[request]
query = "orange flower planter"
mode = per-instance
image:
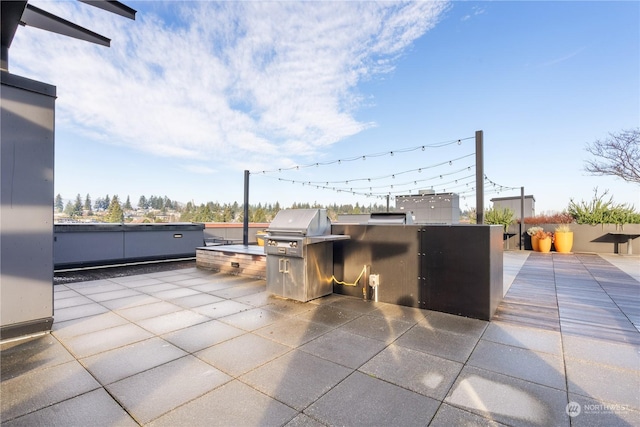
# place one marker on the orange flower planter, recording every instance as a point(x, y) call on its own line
point(563, 241)
point(544, 245)
point(534, 243)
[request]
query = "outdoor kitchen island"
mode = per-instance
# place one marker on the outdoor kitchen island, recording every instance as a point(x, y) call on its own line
point(456, 269)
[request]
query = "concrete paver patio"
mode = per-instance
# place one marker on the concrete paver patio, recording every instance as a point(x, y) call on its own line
point(190, 347)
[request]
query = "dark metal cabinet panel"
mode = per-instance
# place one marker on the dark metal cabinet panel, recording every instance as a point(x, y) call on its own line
point(461, 270)
point(455, 269)
point(391, 251)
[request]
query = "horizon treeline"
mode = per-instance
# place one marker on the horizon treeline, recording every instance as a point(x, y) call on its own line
point(111, 209)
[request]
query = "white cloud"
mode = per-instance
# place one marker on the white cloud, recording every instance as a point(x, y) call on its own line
point(235, 80)
point(563, 58)
point(199, 169)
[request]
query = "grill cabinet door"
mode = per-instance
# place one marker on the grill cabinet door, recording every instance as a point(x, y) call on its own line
point(285, 277)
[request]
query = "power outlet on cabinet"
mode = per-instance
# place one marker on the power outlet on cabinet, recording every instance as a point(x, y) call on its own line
point(374, 280)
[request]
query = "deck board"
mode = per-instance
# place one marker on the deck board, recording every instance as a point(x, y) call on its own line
point(579, 294)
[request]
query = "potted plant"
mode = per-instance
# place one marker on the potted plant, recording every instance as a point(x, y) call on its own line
point(563, 239)
point(503, 217)
point(532, 232)
point(545, 239)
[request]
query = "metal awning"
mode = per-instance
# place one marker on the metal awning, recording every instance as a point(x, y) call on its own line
point(14, 13)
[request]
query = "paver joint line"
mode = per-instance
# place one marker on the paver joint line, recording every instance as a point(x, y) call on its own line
point(558, 308)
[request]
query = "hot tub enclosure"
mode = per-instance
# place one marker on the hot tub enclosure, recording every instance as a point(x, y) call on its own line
point(97, 244)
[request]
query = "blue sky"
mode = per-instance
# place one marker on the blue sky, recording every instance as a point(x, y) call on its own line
point(191, 94)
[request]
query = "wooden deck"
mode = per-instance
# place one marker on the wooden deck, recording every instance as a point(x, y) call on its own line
point(578, 294)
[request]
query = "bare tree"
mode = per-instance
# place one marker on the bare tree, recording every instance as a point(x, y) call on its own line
point(617, 155)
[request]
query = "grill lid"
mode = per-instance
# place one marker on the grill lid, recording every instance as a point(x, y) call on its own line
point(300, 222)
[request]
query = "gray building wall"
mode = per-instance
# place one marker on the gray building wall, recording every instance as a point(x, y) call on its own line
point(26, 219)
point(513, 203)
point(442, 208)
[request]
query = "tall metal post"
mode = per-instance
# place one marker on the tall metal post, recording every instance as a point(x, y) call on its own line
point(521, 217)
point(479, 178)
point(245, 225)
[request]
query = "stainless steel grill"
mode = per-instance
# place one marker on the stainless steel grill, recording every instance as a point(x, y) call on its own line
point(299, 249)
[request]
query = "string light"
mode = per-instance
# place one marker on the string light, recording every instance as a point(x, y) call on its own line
point(390, 153)
point(450, 185)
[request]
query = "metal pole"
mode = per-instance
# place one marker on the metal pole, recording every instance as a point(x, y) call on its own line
point(245, 225)
point(479, 178)
point(521, 216)
point(387, 203)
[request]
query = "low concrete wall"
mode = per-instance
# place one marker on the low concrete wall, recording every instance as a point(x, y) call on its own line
point(602, 238)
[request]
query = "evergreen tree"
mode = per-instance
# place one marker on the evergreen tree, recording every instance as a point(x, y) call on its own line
point(59, 204)
point(259, 215)
point(114, 213)
point(168, 204)
point(127, 204)
point(227, 215)
point(77, 206)
point(97, 204)
point(68, 209)
point(87, 204)
point(106, 203)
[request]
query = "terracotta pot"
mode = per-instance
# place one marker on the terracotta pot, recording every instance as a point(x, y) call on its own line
point(534, 243)
point(563, 241)
point(544, 245)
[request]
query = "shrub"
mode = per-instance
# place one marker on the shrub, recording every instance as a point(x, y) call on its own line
point(560, 218)
point(497, 216)
point(601, 211)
